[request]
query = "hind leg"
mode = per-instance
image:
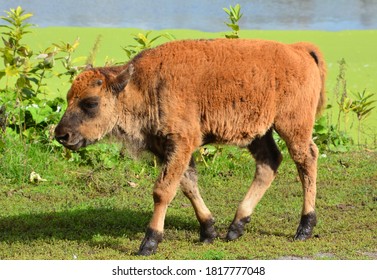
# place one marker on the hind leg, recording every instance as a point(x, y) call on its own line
point(189, 186)
point(268, 159)
point(298, 137)
point(305, 156)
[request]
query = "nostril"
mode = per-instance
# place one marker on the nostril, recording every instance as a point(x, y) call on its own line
point(62, 138)
point(62, 134)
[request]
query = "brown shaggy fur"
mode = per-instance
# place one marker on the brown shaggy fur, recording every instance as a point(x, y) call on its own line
point(183, 94)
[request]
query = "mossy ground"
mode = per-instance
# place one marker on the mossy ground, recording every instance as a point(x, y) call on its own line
point(92, 212)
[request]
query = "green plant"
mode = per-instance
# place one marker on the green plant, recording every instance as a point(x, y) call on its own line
point(71, 65)
point(14, 53)
point(28, 112)
point(208, 153)
point(234, 14)
point(329, 138)
point(143, 41)
point(341, 95)
point(90, 60)
point(362, 106)
point(101, 155)
point(3, 122)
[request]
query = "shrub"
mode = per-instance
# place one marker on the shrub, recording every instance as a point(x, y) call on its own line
point(26, 110)
point(234, 15)
point(362, 106)
point(143, 42)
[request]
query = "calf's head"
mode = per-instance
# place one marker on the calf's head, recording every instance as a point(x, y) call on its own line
point(92, 109)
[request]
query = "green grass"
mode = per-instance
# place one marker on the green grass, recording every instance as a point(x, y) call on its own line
point(93, 212)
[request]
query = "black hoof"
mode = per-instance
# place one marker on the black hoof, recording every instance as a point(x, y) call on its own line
point(305, 228)
point(207, 231)
point(150, 242)
point(236, 229)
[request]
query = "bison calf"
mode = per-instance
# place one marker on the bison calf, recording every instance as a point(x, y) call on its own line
point(174, 98)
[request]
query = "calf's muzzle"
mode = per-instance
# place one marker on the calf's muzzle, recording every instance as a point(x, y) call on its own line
point(68, 138)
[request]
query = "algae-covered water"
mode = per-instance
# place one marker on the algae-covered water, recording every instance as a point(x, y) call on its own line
point(205, 15)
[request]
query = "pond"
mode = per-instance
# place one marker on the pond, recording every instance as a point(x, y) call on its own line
point(331, 15)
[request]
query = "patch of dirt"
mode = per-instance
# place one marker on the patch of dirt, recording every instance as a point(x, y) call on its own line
point(325, 256)
point(294, 258)
point(317, 256)
point(345, 207)
point(372, 255)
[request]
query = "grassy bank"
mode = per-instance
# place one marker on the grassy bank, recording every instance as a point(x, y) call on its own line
point(93, 212)
point(356, 47)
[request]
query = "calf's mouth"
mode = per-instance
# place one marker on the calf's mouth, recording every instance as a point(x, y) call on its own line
point(72, 141)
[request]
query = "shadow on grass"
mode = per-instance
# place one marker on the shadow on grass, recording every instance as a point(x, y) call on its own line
point(82, 225)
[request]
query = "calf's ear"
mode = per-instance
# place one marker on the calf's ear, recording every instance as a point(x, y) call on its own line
point(120, 81)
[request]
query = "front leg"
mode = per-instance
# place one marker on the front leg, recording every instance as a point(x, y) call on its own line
point(164, 191)
point(150, 242)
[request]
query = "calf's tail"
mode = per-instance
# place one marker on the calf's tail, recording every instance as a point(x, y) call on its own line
point(318, 57)
point(316, 54)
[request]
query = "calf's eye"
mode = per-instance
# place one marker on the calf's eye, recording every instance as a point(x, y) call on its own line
point(90, 104)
